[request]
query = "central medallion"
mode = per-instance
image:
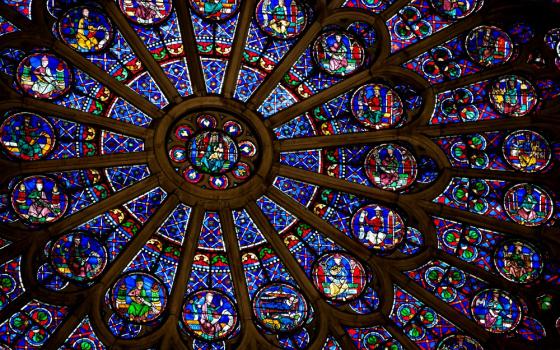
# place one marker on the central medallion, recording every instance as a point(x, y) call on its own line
point(213, 150)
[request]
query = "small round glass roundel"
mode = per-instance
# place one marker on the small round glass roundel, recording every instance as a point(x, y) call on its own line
point(209, 315)
point(338, 53)
point(496, 310)
point(138, 297)
point(459, 342)
point(378, 227)
point(513, 96)
point(377, 106)
point(391, 167)
point(518, 261)
point(528, 205)
point(489, 46)
point(85, 29)
point(217, 10)
point(146, 12)
point(27, 136)
point(78, 256)
point(213, 152)
point(281, 19)
point(43, 75)
point(527, 151)
point(39, 200)
point(280, 308)
point(340, 277)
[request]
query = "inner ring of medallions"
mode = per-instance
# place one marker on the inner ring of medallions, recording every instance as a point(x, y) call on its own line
point(233, 169)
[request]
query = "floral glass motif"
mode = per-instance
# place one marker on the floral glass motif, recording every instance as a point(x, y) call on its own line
point(338, 53)
point(489, 46)
point(146, 12)
point(139, 297)
point(377, 106)
point(27, 136)
point(209, 315)
point(39, 200)
point(86, 29)
point(496, 310)
point(528, 204)
point(518, 261)
point(44, 76)
point(527, 151)
point(391, 167)
point(339, 276)
point(281, 19)
point(280, 307)
point(218, 10)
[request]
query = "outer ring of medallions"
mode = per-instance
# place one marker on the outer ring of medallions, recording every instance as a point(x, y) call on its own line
point(191, 194)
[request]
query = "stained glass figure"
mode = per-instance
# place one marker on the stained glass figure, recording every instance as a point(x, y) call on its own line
point(339, 276)
point(338, 53)
point(496, 310)
point(86, 29)
point(459, 342)
point(27, 136)
point(39, 200)
point(528, 204)
point(377, 106)
point(391, 167)
point(146, 12)
point(518, 261)
point(218, 10)
point(78, 256)
point(209, 315)
point(281, 19)
point(43, 75)
point(279, 307)
point(213, 152)
point(488, 46)
point(455, 9)
point(378, 227)
point(513, 96)
point(138, 297)
point(527, 151)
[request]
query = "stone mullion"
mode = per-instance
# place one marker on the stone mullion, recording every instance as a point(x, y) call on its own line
point(485, 74)
point(250, 333)
point(316, 142)
point(190, 46)
point(14, 17)
point(152, 66)
point(238, 47)
point(549, 179)
point(453, 129)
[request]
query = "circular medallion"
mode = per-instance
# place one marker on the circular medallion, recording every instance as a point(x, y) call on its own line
point(513, 96)
point(216, 151)
point(527, 151)
point(281, 19)
point(377, 106)
point(338, 53)
point(147, 12)
point(43, 75)
point(217, 10)
point(378, 227)
point(339, 276)
point(213, 152)
point(85, 29)
point(27, 136)
point(488, 46)
point(455, 9)
point(280, 307)
point(518, 261)
point(78, 256)
point(209, 315)
point(528, 205)
point(391, 167)
point(496, 310)
point(138, 297)
point(39, 200)
point(459, 342)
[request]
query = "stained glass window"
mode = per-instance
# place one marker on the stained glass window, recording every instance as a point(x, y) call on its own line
point(258, 174)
